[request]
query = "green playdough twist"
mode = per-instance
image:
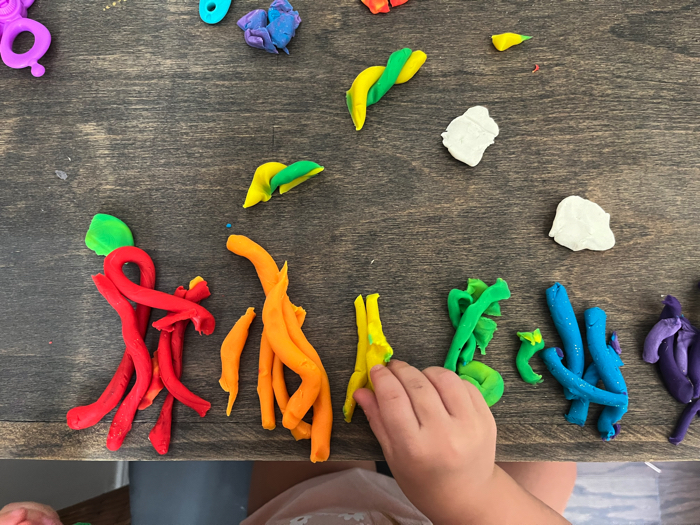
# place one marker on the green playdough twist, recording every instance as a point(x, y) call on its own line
point(297, 172)
point(532, 343)
point(486, 379)
point(494, 293)
point(391, 73)
point(107, 233)
point(459, 300)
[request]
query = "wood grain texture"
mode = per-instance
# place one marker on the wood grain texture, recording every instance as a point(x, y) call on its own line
point(161, 120)
point(111, 508)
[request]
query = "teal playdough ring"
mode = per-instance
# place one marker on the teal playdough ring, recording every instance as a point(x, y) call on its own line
point(213, 11)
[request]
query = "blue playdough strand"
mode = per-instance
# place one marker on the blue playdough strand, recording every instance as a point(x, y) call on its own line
point(213, 11)
point(565, 322)
point(577, 385)
point(578, 413)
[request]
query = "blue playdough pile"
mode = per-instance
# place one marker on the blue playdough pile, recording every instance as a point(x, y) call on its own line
point(272, 30)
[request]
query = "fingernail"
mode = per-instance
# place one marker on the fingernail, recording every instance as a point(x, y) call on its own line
point(375, 368)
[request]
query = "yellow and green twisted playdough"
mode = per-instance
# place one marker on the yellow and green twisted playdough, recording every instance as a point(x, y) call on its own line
point(273, 175)
point(374, 82)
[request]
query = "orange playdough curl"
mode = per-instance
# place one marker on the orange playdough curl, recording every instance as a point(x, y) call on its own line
point(322, 422)
point(276, 329)
point(303, 429)
point(231, 350)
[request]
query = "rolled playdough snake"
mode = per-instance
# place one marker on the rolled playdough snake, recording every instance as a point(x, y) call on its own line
point(374, 82)
point(273, 175)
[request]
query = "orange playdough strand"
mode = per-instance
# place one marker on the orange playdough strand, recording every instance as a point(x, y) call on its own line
point(268, 273)
point(323, 410)
point(289, 353)
point(231, 350)
point(155, 387)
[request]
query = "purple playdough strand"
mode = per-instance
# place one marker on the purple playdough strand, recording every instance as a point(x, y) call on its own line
point(684, 339)
point(684, 422)
point(676, 383)
point(663, 329)
point(694, 367)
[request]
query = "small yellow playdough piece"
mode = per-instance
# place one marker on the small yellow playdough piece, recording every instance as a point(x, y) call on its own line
point(379, 351)
point(359, 376)
point(259, 190)
point(506, 40)
point(194, 282)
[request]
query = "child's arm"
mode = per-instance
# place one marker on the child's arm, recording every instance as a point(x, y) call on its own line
point(439, 438)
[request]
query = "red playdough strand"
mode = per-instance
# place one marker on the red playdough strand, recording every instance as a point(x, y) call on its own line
point(156, 384)
point(121, 424)
point(160, 434)
point(180, 309)
point(86, 416)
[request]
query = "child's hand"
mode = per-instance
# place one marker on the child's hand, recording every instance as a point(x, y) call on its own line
point(437, 434)
point(28, 513)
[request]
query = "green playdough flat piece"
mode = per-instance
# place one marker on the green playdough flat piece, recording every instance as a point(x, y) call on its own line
point(391, 73)
point(293, 172)
point(486, 379)
point(106, 234)
point(483, 333)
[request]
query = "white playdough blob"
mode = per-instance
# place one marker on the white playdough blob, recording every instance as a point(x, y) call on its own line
point(468, 136)
point(582, 225)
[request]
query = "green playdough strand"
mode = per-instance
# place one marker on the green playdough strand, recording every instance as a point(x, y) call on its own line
point(496, 292)
point(486, 379)
point(107, 233)
point(457, 302)
point(391, 73)
point(292, 172)
point(528, 348)
point(467, 354)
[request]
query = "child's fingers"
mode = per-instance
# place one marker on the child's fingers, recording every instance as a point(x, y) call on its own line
point(452, 391)
point(368, 402)
point(13, 517)
point(395, 407)
point(425, 400)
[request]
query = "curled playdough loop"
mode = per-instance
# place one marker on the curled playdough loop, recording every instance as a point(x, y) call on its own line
point(665, 328)
point(486, 379)
point(273, 175)
point(531, 343)
point(374, 82)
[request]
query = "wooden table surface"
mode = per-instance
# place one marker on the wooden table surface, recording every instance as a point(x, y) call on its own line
point(161, 120)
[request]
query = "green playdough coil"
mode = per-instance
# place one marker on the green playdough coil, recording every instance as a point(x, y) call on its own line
point(294, 173)
point(106, 234)
point(486, 379)
point(391, 73)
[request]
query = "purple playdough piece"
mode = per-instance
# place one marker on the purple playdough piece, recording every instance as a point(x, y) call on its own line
point(259, 39)
point(663, 329)
point(253, 20)
point(615, 344)
point(676, 383)
point(283, 6)
point(684, 339)
point(694, 367)
point(684, 422)
point(282, 30)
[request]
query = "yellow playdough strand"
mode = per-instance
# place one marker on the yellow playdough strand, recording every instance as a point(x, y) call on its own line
point(259, 190)
point(365, 80)
point(359, 376)
point(379, 351)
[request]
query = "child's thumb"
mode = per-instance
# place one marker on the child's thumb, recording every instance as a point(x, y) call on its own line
point(368, 401)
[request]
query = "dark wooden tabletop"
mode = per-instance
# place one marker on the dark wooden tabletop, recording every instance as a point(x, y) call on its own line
point(161, 120)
